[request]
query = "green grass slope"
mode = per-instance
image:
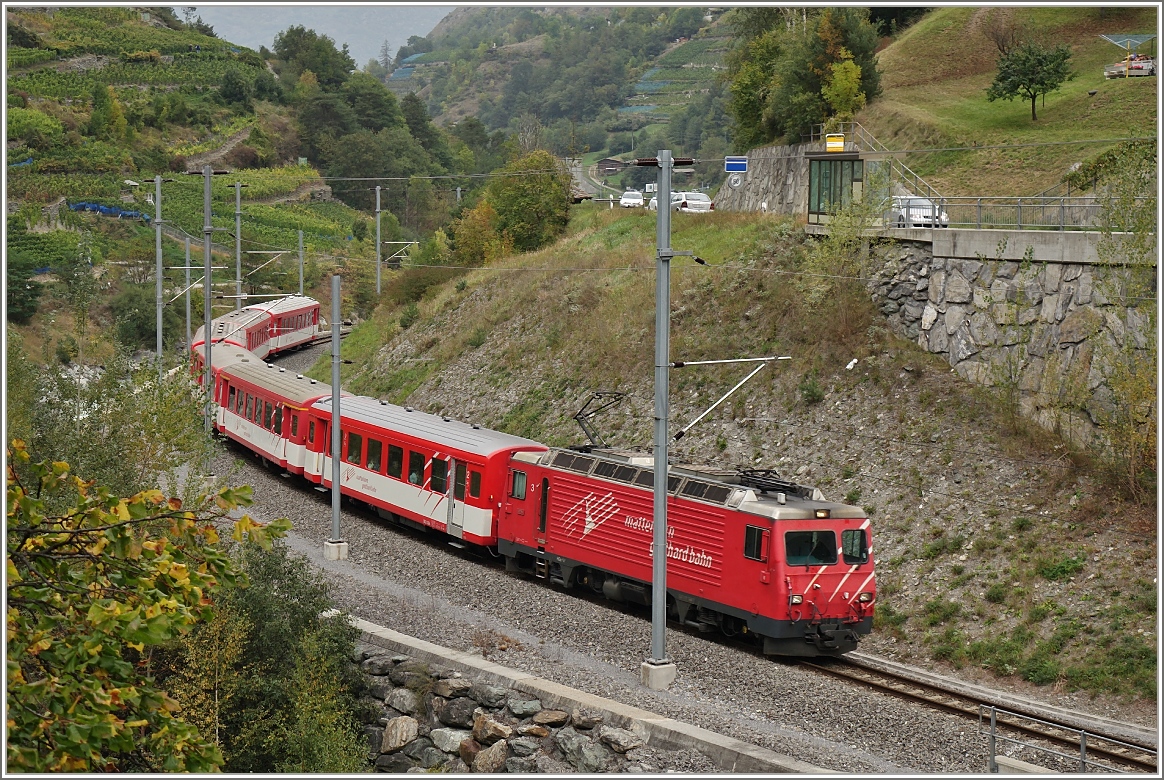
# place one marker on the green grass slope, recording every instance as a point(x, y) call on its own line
point(935, 76)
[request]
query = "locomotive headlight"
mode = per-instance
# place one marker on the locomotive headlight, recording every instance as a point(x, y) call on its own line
point(822, 513)
point(865, 597)
point(796, 599)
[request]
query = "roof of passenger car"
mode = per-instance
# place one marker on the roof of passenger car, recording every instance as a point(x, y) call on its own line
point(440, 431)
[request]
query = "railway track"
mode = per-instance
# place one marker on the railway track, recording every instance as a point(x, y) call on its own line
point(1121, 747)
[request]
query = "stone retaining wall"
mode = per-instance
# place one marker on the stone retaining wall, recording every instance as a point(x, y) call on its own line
point(435, 720)
point(1039, 331)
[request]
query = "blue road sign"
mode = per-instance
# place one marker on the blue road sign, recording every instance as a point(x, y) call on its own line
point(735, 164)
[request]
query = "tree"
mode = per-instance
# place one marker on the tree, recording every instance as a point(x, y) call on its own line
point(842, 89)
point(391, 152)
point(1030, 70)
point(422, 129)
point(300, 49)
point(90, 588)
point(374, 106)
point(385, 56)
point(778, 74)
point(475, 237)
point(236, 89)
point(532, 200)
point(21, 291)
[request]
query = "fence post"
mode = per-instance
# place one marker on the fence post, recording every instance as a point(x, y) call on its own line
point(1019, 214)
point(1062, 218)
point(993, 765)
point(1082, 751)
point(980, 213)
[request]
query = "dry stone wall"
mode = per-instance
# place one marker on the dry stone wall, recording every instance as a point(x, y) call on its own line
point(1038, 332)
point(776, 182)
point(436, 720)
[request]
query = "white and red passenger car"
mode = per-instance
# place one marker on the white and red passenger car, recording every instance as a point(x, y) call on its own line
point(748, 554)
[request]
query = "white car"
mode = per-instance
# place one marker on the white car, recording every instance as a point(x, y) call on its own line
point(631, 199)
point(916, 211)
point(691, 202)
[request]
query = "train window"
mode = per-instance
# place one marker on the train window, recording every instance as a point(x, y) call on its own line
point(459, 482)
point(268, 412)
point(517, 490)
point(355, 448)
point(395, 461)
point(854, 548)
point(440, 476)
point(311, 431)
point(230, 396)
point(238, 407)
point(475, 484)
point(416, 468)
point(375, 448)
point(755, 543)
point(258, 418)
point(278, 421)
point(294, 426)
point(646, 478)
point(810, 548)
point(604, 469)
point(250, 407)
point(545, 505)
point(563, 460)
point(693, 489)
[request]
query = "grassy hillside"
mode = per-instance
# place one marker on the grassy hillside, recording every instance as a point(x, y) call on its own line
point(935, 77)
point(995, 550)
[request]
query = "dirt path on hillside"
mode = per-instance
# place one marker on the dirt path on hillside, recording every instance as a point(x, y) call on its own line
point(196, 161)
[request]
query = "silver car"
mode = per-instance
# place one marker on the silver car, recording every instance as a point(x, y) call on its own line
point(916, 211)
point(631, 199)
point(691, 202)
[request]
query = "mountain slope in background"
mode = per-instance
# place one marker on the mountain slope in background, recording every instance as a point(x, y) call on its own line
point(363, 28)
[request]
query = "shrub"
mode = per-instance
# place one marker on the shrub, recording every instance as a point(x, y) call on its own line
point(410, 316)
point(1060, 570)
point(996, 593)
point(811, 392)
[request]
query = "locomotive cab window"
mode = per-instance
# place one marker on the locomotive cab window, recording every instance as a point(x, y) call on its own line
point(756, 543)
point(854, 547)
point(810, 548)
point(517, 489)
point(395, 461)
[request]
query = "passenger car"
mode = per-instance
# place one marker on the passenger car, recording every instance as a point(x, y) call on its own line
point(631, 199)
point(916, 211)
point(690, 202)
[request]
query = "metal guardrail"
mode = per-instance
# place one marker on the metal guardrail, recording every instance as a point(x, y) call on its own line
point(1033, 213)
point(1084, 762)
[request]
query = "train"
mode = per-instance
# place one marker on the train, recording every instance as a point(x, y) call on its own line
point(749, 554)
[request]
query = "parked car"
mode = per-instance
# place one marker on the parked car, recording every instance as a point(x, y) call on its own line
point(916, 211)
point(691, 202)
point(1139, 65)
point(631, 199)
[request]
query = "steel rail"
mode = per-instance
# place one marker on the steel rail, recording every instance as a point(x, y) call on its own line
point(966, 705)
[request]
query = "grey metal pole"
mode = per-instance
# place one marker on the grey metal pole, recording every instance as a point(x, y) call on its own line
point(662, 375)
point(207, 232)
point(335, 408)
point(158, 254)
point(238, 245)
point(188, 336)
point(377, 239)
point(300, 262)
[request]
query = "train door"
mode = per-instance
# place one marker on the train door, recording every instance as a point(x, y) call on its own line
point(455, 493)
point(281, 412)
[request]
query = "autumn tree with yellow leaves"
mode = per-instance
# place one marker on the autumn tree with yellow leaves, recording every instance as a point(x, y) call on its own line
point(92, 591)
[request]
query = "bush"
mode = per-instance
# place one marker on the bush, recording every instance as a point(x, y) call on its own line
point(996, 593)
point(1060, 570)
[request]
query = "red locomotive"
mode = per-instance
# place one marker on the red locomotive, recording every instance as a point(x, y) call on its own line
point(748, 553)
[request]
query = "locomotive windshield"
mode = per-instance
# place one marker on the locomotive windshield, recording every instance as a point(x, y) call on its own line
point(810, 548)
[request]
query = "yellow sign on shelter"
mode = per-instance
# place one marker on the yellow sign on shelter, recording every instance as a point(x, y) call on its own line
point(835, 142)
